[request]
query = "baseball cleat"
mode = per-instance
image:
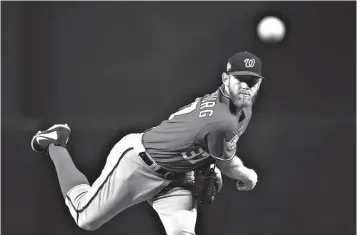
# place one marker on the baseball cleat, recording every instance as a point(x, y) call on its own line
point(57, 134)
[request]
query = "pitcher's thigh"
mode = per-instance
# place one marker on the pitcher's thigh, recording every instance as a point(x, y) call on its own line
point(177, 211)
point(122, 183)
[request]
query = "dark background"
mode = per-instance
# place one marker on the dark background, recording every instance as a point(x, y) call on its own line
point(111, 68)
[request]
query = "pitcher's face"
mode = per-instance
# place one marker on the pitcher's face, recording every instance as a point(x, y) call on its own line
point(243, 89)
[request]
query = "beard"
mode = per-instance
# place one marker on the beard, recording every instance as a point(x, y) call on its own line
point(242, 101)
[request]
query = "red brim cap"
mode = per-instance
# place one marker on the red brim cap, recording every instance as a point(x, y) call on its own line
point(249, 73)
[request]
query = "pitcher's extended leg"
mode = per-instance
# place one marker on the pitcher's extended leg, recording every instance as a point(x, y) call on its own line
point(125, 180)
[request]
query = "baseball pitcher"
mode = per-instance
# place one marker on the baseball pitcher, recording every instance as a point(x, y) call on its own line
point(174, 166)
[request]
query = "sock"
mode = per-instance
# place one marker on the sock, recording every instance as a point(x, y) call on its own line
point(68, 175)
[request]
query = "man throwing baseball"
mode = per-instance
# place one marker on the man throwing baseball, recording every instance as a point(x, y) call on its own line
point(173, 166)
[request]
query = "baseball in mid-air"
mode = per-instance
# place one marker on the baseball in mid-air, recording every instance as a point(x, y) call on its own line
point(271, 29)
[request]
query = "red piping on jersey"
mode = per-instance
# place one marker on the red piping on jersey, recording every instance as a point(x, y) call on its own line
point(101, 186)
point(194, 139)
point(223, 91)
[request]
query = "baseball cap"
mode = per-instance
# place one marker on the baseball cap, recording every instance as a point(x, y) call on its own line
point(245, 63)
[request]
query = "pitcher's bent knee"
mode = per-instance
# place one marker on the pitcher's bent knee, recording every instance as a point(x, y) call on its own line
point(87, 225)
point(76, 201)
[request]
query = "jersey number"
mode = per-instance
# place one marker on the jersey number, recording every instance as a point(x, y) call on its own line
point(194, 157)
point(185, 110)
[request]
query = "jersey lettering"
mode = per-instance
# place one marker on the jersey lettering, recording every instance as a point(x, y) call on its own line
point(207, 105)
point(211, 97)
point(185, 110)
point(194, 156)
point(208, 102)
point(205, 112)
point(209, 112)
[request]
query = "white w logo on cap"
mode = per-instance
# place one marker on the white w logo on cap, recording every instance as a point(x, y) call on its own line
point(249, 63)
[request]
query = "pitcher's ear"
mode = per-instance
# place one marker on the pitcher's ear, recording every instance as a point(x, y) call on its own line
point(225, 78)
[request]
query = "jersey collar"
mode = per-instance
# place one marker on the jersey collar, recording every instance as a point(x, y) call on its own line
point(224, 96)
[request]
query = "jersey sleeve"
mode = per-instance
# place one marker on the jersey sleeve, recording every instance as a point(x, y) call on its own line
point(220, 139)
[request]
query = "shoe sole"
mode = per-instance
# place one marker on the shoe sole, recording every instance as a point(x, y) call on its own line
point(52, 127)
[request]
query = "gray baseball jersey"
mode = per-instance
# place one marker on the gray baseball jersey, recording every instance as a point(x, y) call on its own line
point(207, 127)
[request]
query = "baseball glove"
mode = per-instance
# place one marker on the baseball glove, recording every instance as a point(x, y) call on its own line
point(205, 184)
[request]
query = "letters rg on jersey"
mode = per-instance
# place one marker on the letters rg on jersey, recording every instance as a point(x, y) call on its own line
point(207, 104)
point(206, 109)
